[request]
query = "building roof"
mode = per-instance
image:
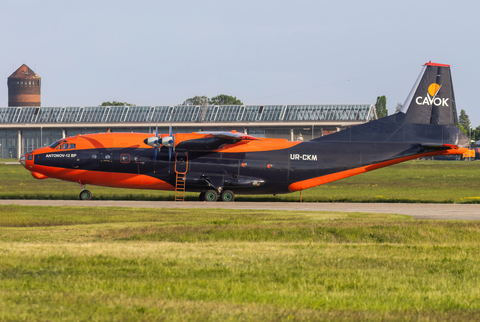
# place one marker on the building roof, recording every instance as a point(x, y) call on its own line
point(24, 72)
point(211, 114)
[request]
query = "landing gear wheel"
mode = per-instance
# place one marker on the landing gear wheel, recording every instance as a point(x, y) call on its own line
point(201, 197)
point(211, 195)
point(85, 195)
point(228, 196)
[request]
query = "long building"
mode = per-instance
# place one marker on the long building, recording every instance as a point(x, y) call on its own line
point(26, 128)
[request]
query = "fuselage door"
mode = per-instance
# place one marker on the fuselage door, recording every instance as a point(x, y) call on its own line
point(181, 163)
point(77, 159)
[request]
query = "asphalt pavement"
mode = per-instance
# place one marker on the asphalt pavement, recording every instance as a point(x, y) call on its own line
point(416, 210)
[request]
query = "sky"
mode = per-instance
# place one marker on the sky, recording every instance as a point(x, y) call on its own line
point(263, 52)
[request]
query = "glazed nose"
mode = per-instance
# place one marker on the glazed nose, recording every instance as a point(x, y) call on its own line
point(23, 159)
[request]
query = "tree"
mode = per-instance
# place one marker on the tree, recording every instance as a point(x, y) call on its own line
point(464, 131)
point(398, 108)
point(381, 106)
point(115, 103)
point(464, 120)
point(223, 99)
point(196, 100)
point(477, 134)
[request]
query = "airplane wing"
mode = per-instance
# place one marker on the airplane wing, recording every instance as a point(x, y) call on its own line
point(229, 135)
point(210, 141)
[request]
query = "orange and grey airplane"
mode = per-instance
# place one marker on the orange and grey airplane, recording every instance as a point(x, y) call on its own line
point(222, 164)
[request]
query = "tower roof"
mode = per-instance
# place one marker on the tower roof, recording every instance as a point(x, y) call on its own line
point(24, 72)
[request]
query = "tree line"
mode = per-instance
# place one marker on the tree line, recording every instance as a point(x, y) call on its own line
point(221, 99)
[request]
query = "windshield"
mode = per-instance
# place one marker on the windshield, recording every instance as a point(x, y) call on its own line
point(55, 144)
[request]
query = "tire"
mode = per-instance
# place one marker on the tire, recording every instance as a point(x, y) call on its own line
point(85, 195)
point(228, 196)
point(201, 197)
point(211, 196)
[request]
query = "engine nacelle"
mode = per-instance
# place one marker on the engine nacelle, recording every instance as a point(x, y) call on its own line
point(153, 141)
point(168, 141)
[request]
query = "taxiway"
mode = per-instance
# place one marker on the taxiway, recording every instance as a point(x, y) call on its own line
point(418, 211)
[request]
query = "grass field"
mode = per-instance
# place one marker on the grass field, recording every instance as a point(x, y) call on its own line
point(8, 160)
point(414, 181)
point(92, 264)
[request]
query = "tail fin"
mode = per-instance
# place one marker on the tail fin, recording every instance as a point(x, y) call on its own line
point(431, 100)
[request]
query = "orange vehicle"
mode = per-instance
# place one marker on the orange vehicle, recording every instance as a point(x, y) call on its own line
point(223, 164)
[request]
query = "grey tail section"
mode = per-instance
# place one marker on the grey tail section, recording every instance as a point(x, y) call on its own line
point(432, 100)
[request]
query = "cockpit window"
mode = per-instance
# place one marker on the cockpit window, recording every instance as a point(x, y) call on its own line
point(55, 144)
point(65, 146)
point(72, 145)
point(30, 157)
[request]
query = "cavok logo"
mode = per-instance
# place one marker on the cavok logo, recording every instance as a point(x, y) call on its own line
point(431, 98)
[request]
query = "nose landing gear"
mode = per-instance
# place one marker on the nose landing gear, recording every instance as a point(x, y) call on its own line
point(84, 194)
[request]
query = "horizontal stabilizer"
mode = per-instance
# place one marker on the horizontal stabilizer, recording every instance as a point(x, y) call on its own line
point(439, 146)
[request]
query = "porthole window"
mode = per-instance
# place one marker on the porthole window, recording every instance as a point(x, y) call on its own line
point(107, 157)
point(125, 158)
point(136, 159)
point(94, 156)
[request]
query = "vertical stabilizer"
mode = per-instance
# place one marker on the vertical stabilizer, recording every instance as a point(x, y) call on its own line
point(431, 100)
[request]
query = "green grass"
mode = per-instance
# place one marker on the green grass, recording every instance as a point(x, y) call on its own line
point(67, 263)
point(8, 160)
point(414, 181)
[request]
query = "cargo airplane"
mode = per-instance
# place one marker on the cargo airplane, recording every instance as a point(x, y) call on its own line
point(220, 165)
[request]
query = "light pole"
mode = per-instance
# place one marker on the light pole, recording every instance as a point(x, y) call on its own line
point(469, 142)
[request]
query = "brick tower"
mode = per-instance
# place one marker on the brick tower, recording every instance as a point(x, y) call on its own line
point(24, 87)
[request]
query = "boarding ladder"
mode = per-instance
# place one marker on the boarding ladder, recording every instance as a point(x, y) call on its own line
point(181, 167)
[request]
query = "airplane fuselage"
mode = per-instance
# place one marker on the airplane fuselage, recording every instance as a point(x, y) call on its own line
point(229, 163)
point(265, 166)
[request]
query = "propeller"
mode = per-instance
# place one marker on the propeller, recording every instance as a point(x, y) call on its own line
point(168, 141)
point(156, 141)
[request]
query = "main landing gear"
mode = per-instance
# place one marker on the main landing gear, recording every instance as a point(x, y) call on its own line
point(212, 195)
point(85, 194)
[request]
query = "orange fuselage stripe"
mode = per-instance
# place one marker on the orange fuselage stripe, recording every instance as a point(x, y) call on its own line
point(109, 179)
point(310, 183)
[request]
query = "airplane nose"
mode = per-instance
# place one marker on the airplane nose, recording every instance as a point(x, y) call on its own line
point(22, 160)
